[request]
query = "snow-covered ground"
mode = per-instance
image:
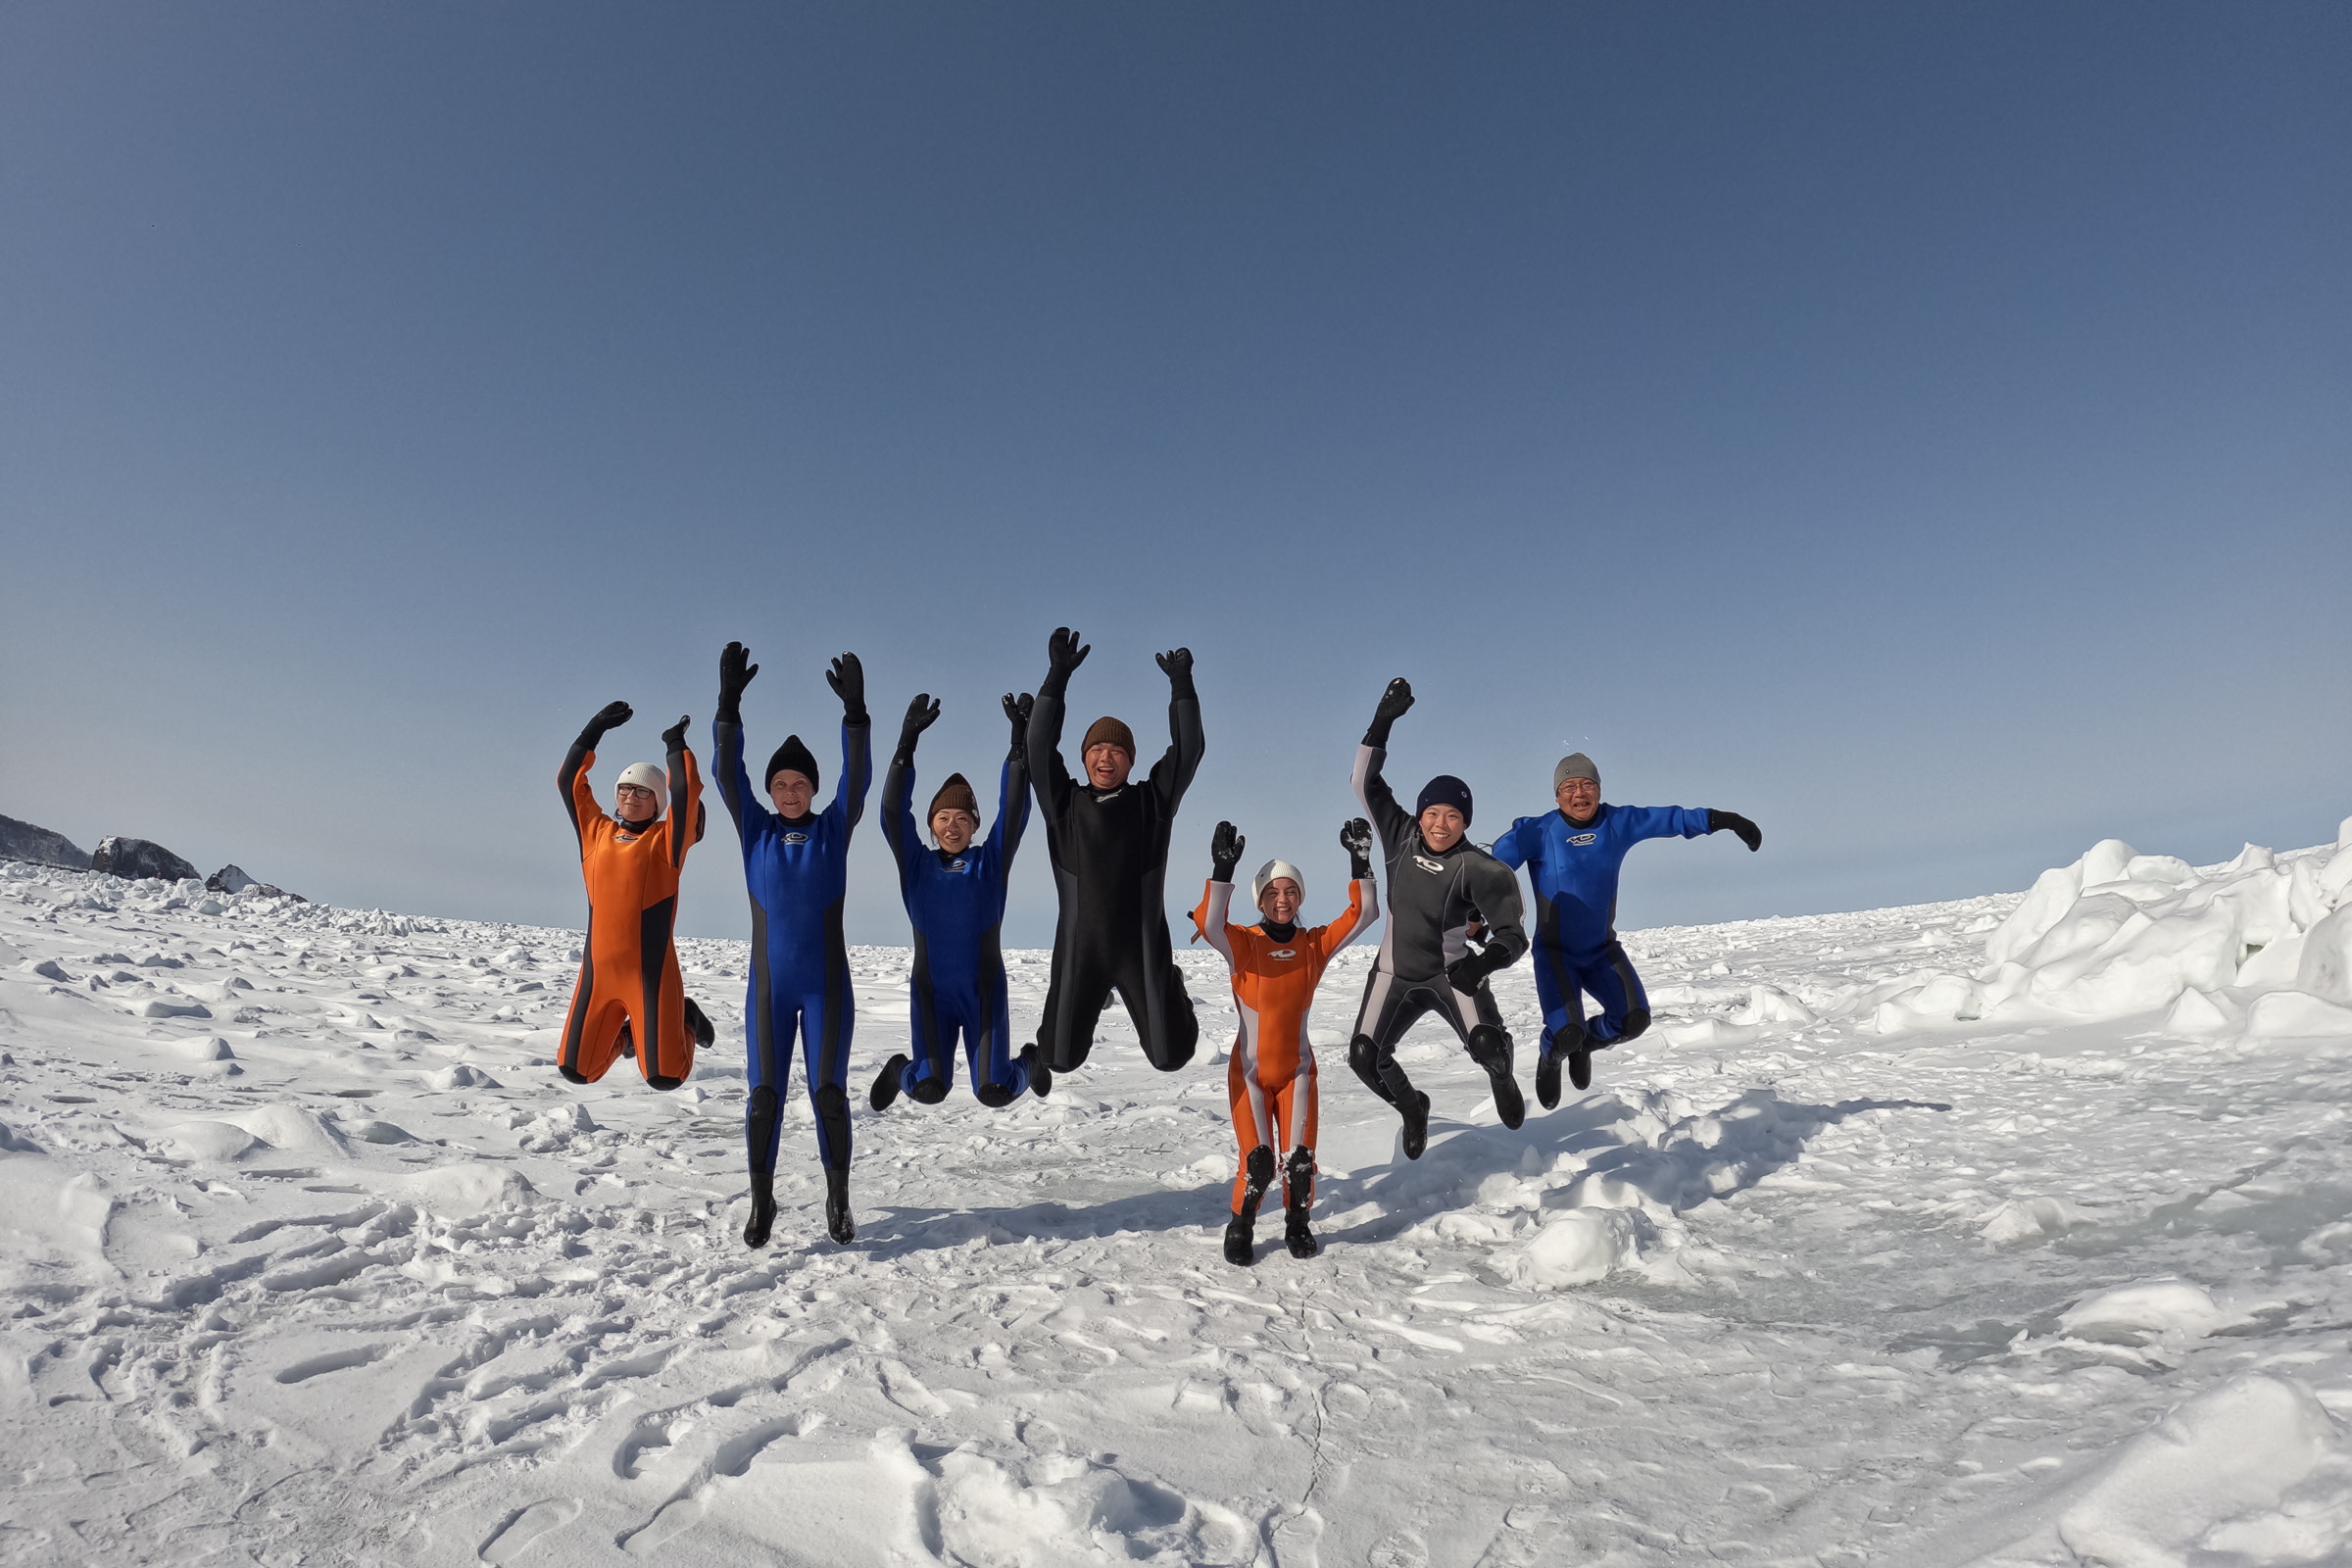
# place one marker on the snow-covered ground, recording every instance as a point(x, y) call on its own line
point(1882, 1247)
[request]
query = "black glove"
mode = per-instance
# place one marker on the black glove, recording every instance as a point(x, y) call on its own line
point(611, 717)
point(1225, 848)
point(1465, 973)
point(921, 715)
point(1063, 654)
point(1749, 834)
point(1177, 664)
point(735, 672)
point(1393, 704)
point(1018, 710)
point(1356, 839)
point(674, 738)
point(846, 677)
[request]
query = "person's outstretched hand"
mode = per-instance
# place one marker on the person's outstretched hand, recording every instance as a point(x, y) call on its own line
point(1225, 848)
point(675, 737)
point(1733, 822)
point(846, 677)
point(1355, 837)
point(921, 715)
point(1064, 653)
point(735, 672)
point(1017, 708)
point(1394, 705)
point(610, 716)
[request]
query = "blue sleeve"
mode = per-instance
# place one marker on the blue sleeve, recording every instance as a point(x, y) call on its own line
point(1662, 821)
point(897, 814)
point(1519, 843)
point(1012, 816)
point(857, 776)
point(734, 783)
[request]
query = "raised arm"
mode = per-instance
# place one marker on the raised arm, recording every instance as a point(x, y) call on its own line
point(1013, 786)
point(1391, 821)
point(685, 792)
point(1677, 821)
point(846, 677)
point(1363, 892)
point(1173, 773)
point(899, 827)
point(1048, 773)
point(735, 672)
point(572, 779)
point(1225, 848)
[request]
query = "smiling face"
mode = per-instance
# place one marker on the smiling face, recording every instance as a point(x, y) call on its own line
point(636, 804)
point(953, 827)
point(1107, 765)
point(1442, 827)
point(792, 791)
point(1280, 901)
point(1579, 798)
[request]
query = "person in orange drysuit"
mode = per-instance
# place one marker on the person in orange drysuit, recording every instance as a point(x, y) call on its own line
point(631, 997)
point(1271, 1072)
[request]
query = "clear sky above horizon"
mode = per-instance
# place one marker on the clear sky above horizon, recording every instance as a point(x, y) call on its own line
point(1927, 430)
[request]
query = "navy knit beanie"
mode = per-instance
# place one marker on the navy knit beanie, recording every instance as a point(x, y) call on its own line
point(793, 755)
point(1444, 790)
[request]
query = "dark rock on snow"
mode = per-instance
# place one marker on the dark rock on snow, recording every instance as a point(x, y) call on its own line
point(22, 841)
point(139, 857)
point(233, 879)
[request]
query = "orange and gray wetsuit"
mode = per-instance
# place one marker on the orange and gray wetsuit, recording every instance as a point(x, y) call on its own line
point(629, 973)
point(1271, 1074)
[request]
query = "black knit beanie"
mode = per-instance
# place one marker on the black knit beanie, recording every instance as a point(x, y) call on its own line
point(793, 755)
point(1444, 790)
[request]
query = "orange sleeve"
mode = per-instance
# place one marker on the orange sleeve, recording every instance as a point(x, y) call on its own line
point(685, 825)
point(584, 809)
point(1330, 938)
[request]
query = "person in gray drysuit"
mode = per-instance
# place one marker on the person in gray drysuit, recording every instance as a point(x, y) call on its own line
point(1442, 888)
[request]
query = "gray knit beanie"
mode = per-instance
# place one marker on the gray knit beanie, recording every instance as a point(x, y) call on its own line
point(1576, 764)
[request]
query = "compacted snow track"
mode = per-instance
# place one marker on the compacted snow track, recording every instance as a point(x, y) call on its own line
point(308, 1256)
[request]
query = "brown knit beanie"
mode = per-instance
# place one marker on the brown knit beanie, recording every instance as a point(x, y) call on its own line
point(1109, 731)
point(955, 795)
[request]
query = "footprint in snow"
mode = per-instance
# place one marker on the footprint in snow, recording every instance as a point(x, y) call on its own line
point(526, 1526)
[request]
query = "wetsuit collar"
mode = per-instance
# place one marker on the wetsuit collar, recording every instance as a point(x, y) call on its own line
point(1278, 930)
point(952, 858)
point(1597, 812)
point(802, 821)
point(638, 829)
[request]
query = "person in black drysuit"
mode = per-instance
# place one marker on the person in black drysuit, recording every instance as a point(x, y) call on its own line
point(1441, 886)
point(1107, 839)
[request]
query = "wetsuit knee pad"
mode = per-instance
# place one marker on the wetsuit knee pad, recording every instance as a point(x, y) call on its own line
point(1488, 1044)
point(572, 1077)
point(763, 1108)
point(928, 1091)
point(1364, 1057)
point(1300, 1167)
point(659, 1081)
point(995, 1096)
point(1636, 1021)
point(832, 1105)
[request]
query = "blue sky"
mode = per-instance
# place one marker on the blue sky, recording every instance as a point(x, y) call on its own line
point(1927, 430)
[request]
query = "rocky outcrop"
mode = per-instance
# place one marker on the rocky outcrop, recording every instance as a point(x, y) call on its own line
point(139, 857)
point(233, 879)
point(22, 841)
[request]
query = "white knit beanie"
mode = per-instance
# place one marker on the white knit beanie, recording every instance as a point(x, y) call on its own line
point(646, 776)
point(1269, 871)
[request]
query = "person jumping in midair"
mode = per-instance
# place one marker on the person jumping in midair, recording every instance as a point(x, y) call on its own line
point(631, 997)
point(1107, 840)
point(795, 866)
point(1440, 886)
point(955, 898)
point(1271, 1072)
point(1572, 856)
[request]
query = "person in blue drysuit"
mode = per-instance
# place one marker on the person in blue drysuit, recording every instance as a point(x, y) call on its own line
point(1572, 855)
point(955, 897)
point(795, 866)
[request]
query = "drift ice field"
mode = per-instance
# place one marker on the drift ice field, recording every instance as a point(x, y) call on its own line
point(2010, 1231)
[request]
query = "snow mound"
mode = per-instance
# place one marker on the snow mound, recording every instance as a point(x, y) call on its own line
point(2261, 944)
point(2135, 1313)
point(2251, 1472)
point(293, 1130)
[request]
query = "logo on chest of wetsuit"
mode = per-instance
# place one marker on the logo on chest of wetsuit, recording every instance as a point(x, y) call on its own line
point(796, 837)
point(1283, 953)
point(957, 866)
point(1105, 800)
point(1580, 840)
point(1433, 868)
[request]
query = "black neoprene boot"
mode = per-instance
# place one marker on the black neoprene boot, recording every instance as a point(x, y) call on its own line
point(886, 1082)
point(1416, 1124)
point(838, 1223)
point(1240, 1232)
point(1548, 1076)
point(1580, 1069)
point(763, 1210)
point(699, 1026)
point(1490, 1048)
point(1041, 1076)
